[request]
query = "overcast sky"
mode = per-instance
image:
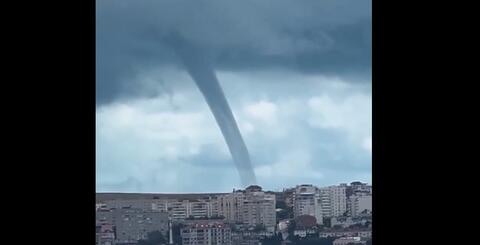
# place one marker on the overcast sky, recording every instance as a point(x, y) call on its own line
point(297, 75)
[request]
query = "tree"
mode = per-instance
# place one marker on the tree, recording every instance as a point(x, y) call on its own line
point(337, 227)
point(259, 227)
point(274, 240)
point(315, 241)
point(327, 222)
point(281, 204)
point(291, 228)
point(283, 214)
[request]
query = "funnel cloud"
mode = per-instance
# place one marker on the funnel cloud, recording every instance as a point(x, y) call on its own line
point(198, 67)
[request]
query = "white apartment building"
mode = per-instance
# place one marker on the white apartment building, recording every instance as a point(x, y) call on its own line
point(206, 233)
point(307, 201)
point(230, 206)
point(333, 200)
point(250, 207)
point(180, 210)
point(259, 208)
point(360, 187)
point(359, 203)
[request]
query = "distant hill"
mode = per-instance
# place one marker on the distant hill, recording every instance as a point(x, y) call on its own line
point(102, 196)
point(129, 196)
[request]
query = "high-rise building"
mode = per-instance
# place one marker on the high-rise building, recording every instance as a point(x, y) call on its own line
point(307, 201)
point(360, 203)
point(230, 206)
point(251, 207)
point(206, 232)
point(259, 208)
point(355, 189)
point(289, 196)
point(333, 200)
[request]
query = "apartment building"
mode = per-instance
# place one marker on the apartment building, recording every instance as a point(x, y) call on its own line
point(307, 201)
point(206, 232)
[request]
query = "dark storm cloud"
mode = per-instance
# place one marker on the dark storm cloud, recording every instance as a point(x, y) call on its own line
point(305, 36)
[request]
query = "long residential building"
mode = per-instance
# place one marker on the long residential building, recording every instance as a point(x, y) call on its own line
point(178, 209)
point(182, 209)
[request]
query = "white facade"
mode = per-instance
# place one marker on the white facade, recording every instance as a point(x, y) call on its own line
point(348, 240)
point(206, 233)
point(307, 201)
point(182, 209)
point(250, 207)
point(333, 200)
point(351, 233)
point(359, 203)
point(230, 206)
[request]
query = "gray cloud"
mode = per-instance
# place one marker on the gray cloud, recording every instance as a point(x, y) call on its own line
point(296, 74)
point(329, 37)
point(182, 150)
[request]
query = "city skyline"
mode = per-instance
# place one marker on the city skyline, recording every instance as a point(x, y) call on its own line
point(240, 217)
point(298, 83)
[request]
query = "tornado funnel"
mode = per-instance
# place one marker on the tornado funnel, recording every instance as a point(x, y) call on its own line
point(204, 76)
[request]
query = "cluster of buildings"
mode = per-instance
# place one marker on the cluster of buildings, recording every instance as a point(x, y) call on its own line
point(242, 217)
point(333, 201)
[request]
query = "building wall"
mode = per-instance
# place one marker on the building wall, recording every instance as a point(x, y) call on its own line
point(183, 209)
point(203, 233)
point(358, 233)
point(307, 201)
point(259, 208)
point(359, 203)
point(230, 206)
point(346, 241)
point(250, 207)
point(134, 224)
point(118, 204)
point(333, 200)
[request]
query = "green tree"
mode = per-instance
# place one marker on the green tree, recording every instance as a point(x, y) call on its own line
point(327, 222)
point(283, 214)
point(281, 204)
point(259, 227)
